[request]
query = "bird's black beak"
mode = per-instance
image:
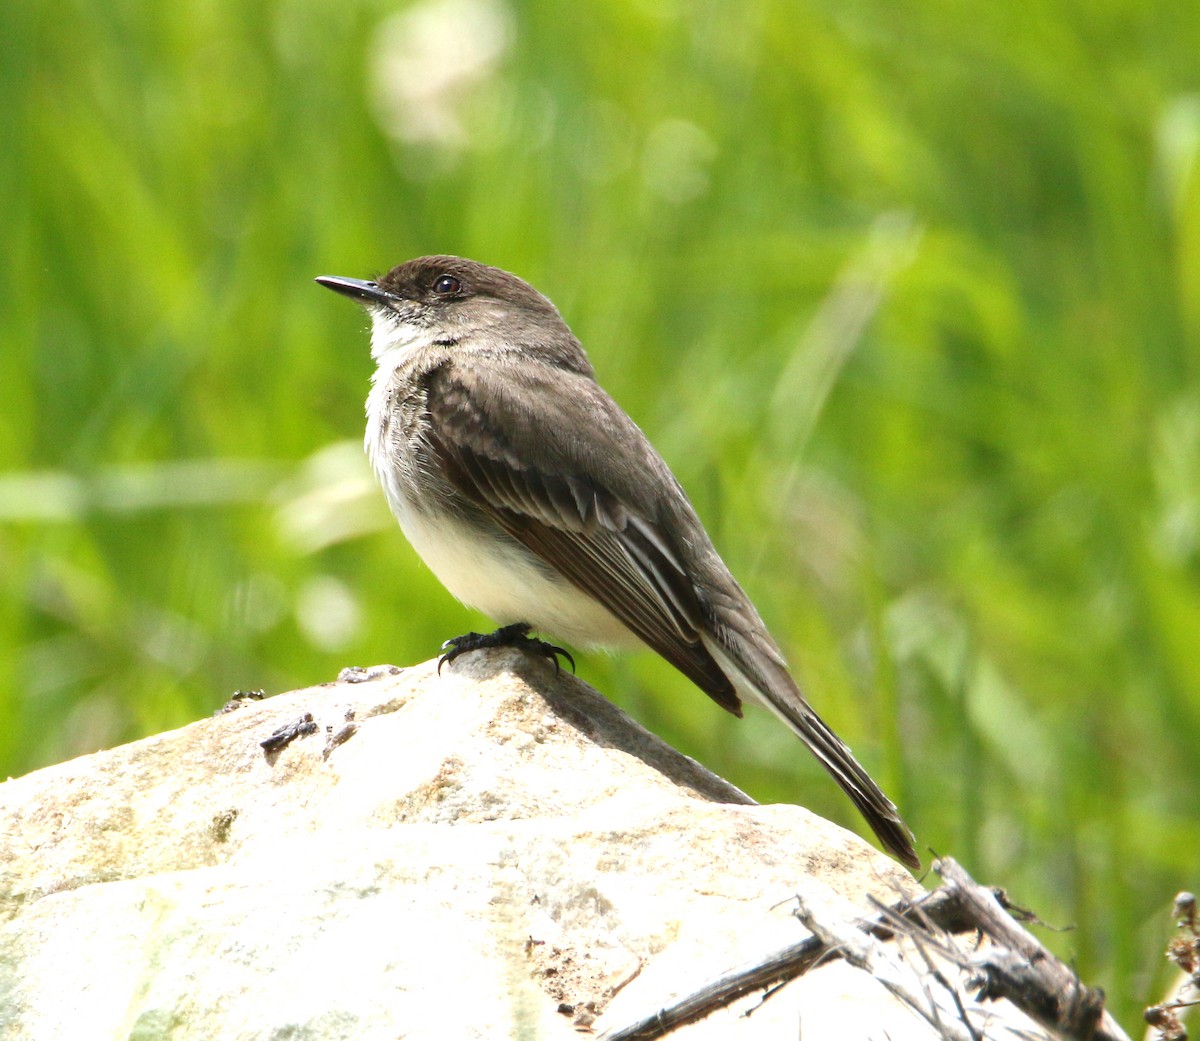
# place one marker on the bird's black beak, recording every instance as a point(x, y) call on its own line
point(364, 292)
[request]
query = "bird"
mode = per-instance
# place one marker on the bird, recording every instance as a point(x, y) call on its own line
point(535, 499)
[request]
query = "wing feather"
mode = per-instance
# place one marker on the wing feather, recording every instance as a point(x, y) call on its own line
point(553, 502)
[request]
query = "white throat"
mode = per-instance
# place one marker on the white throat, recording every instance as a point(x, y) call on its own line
point(392, 341)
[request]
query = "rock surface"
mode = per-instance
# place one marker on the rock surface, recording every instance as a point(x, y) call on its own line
point(495, 852)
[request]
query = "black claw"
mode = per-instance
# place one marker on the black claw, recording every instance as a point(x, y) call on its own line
point(515, 635)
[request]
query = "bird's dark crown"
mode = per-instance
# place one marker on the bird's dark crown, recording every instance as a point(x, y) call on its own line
point(444, 279)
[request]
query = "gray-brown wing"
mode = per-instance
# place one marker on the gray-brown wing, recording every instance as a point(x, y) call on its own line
point(512, 445)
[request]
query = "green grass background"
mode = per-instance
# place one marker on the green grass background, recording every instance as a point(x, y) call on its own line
point(906, 291)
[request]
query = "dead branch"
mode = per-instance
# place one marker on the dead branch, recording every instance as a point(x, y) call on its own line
point(1014, 966)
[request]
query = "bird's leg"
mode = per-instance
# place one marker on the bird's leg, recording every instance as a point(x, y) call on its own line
point(515, 635)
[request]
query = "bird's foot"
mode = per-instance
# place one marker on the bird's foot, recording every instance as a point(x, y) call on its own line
point(515, 635)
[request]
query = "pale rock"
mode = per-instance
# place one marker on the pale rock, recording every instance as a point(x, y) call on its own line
point(493, 852)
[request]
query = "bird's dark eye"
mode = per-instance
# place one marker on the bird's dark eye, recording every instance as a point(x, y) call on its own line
point(446, 285)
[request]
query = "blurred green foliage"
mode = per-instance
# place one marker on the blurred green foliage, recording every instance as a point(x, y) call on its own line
point(907, 292)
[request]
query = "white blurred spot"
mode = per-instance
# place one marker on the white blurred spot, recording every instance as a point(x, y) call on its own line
point(328, 613)
point(676, 161)
point(427, 60)
point(1179, 144)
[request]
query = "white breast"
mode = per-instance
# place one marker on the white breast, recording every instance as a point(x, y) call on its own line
point(506, 583)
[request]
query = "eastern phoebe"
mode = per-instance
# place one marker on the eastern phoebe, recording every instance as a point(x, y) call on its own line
point(534, 498)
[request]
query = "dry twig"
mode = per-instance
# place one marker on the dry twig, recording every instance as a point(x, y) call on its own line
point(1013, 965)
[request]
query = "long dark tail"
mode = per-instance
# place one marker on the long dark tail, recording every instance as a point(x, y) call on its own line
point(880, 812)
point(767, 677)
